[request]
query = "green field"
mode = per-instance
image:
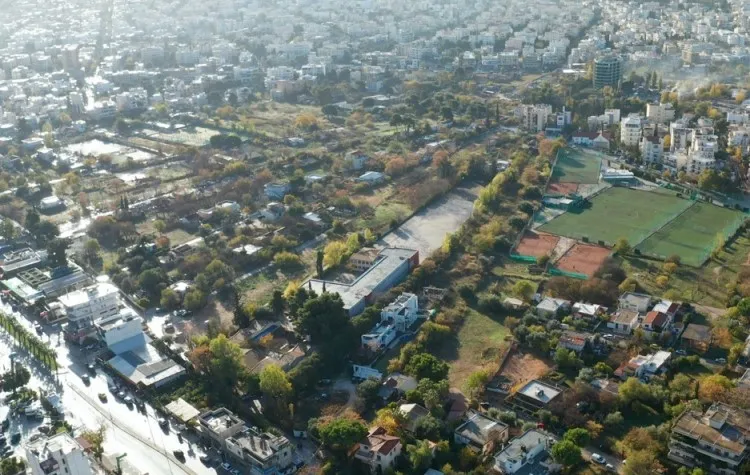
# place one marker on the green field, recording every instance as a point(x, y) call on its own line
point(616, 213)
point(577, 166)
point(692, 235)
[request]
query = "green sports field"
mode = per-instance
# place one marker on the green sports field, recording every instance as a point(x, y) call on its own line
point(618, 212)
point(577, 166)
point(692, 235)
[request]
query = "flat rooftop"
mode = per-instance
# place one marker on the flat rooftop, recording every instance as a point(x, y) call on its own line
point(539, 391)
point(519, 447)
point(354, 292)
point(81, 297)
point(219, 419)
point(730, 430)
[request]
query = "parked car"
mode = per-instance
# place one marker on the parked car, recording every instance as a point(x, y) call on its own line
point(598, 459)
point(15, 438)
point(102, 397)
point(610, 467)
point(85, 378)
point(38, 328)
point(163, 422)
point(128, 400)
point(179, 455)
point(226, 467)
point(205, 460)
point(721, 360)
point(91, 367)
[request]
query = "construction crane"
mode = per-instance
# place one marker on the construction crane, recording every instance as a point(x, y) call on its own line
point(104, 39)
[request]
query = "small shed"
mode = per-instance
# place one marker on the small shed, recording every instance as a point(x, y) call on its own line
point(182, 410)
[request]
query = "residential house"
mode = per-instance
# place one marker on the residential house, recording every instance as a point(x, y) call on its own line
point(549, 306)
point(696, 337)
point(371, 178)
point(364, 258)
point(378, 450)
point(588, 311)
point(634, 301)
point(597, 140)
point(403, 311)
point(396, 385)
point(59, 454)
point(573, 340)
point(379, 337)
point(412, 413)
point(624, 321)
point(535, 395)
point(645, 366)
point(218, 425)
point(656, 323)
point(717, 440)
point(480, 431)
point(260, 453)
point(276, 191)
point(528, 453)
point(667, 307)
point(356, 159)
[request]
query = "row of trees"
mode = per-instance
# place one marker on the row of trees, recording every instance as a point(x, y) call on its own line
point(29, 341)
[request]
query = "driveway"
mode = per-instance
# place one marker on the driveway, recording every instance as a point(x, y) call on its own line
point(345, 384)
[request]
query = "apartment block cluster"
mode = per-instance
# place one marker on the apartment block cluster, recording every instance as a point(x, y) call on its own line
point(541, 118)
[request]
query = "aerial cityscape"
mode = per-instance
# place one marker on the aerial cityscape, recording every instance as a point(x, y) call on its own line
point(375, 237)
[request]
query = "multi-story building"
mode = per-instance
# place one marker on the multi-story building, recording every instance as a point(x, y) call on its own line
point(717, 440)
point(262, 453)
point(85, 306)
point(528, 452)
point(662, 113)
point(652, 148)
point(57, 455)
point(219, 425)
point(607, 72)
point(403, 311)
point(630, 130)
point(534, 117)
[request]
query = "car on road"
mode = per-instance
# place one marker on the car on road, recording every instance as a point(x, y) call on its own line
point(205, 460)
point(91, 367)
point(182, 313)
point(681, 352)
point(128, 400)
point(598, 459)
point(179, 455)
point(226, 467)
point(721, 360)
point(610, 467)
point(38, 328)
point(15, 438)
point(85, 378)
point(163, 422)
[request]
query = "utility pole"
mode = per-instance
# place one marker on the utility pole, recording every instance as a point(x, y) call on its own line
point(117, 459)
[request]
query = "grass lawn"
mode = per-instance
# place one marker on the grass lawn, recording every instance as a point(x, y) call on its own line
point(478, 344)
point(616, 213)
point(692, 234)
point(705, 285)
point(577, 166)
point(383, 216)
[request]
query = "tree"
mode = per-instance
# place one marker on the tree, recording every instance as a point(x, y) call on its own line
point(367, 391)
point(341, 434)
point(622, 247)
point(275, 384)
point(96, 439)
point(169, 299)
point(714, 387)
point(91, 251)
point(160, 226)
point(46, 231)
point(334, 254)
point(327, 323)
point(57, 252)
point(425, 365)
point(614, 420)
point(226, 365)
point(319, 258)
point(642, 462)
point(420, 455)
point(566, 453)
point(580, 437)
point(566, 358)
point(428, 427)
point(476, 383)
point(194, 299)
point(7, 230)
point(241, 318)
point(523, 289)
point(277, 303)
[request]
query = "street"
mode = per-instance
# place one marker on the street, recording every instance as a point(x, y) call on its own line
point(148, 448)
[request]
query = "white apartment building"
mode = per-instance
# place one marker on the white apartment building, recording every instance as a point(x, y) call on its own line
point(679, 134)
point(261, 453)
point(660, 113)
point(630, 130)
point(737, 117)
point(85, 306)
point(120, 327)
point(534, 117)
point(652, 149)
point(57, 455)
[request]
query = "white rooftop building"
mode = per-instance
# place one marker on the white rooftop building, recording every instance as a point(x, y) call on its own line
point(60, 454)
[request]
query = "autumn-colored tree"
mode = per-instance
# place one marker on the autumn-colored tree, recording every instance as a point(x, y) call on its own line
point(722, 337)
point(396, 166)
point(714, 387)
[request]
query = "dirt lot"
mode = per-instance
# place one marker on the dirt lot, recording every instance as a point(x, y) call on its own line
point(537, 245)
point(562, 188)
point(583, 259)
point(520, 368)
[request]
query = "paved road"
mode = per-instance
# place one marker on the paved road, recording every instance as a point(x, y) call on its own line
point(127, 431)
point(616, 462)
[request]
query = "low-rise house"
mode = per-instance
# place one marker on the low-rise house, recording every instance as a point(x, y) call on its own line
point(379, 337)
point(480, 431)
point(667, 307)
point(573, 340)
point(633, 301)
point(273, 211)
point(412, 413)
point(598, 140)
point(218, 425)
point(696, 337)
point(645, 366)
point(260, 453)
point(528, 453)
point(356, 159)
point(717, 440)
point(623, 321)
point(655, 323)
point(403, 311)
point(378, 450)
point(395, 385)
point(534, 395)
point(588, 311)
point(276, 191)
point(372, 178)
point(549, 306)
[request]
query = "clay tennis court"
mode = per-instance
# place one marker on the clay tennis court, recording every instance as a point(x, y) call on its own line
point(537, 245)
point(562, 188)
point(583, 259)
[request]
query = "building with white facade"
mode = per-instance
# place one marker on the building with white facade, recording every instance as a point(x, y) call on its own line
point(402, 312)
point(60, 454)
point(85, 306)
point(630, 130)
point(662, 113)
point(529, 452)
point(379, 450)
point(534, 117)
point(260, 453)
point(652, 148)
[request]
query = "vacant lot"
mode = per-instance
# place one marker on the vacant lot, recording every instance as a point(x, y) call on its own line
point(576, 165)
point(692, 235)
point(521, 368)
point(480, 342)
point(583, 259)
point(426, 230)
point(616, 213)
